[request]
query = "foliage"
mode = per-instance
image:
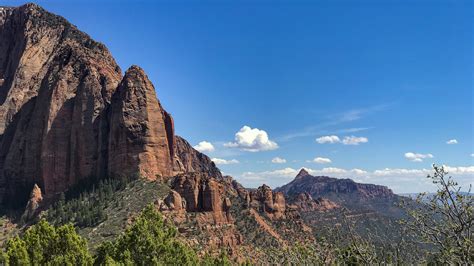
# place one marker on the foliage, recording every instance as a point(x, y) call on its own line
point(149, 241)
point(444, 220)
point(87, 208)
point(44, 244)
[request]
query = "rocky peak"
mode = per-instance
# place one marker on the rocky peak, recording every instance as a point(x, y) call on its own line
point(141, 138)
point(302, 173)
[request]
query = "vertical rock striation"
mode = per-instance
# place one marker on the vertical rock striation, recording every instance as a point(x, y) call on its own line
point(67, 114)
point(141, 132)
point(55, 85)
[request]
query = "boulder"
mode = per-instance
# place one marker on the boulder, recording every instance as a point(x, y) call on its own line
point(174, 201)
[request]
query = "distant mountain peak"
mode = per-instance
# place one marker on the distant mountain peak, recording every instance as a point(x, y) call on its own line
point(302, 173)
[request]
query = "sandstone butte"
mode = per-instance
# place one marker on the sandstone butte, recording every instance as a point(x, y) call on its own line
point(68, 114)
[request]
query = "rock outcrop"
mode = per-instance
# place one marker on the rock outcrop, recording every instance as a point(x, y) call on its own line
point(187, 159)
point(67, 114)
point(141, 136)
point(304, 202)
point(174, 201)
point(271, 203)
point(33, 204)
point(203, 193)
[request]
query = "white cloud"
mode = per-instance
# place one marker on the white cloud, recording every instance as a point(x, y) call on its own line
point(204, 146)
point(353, 140)
point(253, 140)
point(321, 160)
point(472, 154)
point(278, 160)
point(401, 180)
point(285, 173)
point(417, 157)
point(460, 170)
point(348, 140)
point(452, 141)
point(328, 139)
point(223, 161)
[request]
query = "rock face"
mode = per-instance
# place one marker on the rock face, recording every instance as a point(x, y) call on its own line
point(55, 85)
point(141, 137)
point(66, 113)
point(174, 201)
point(304, 202)
point(33, 204)
point(187, 159)
point(203, 193)
point(271, 203)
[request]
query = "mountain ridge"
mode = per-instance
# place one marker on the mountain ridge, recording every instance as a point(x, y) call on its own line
point(345, 192)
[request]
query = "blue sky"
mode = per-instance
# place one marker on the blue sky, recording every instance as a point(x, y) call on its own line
point(394, 77)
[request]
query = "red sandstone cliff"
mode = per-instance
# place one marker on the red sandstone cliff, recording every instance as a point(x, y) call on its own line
point(141, 136)
point(67, 114)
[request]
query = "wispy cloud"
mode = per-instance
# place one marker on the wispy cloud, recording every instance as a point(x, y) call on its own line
point(357, 114)
point(224, 161)
point(278, 160)
point(334, 120)
point(353, 140)
point(348, 140)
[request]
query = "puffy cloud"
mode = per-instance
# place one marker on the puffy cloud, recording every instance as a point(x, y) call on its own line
point(452, 141)
point(204, 146)
point(321, 160)
point(417, 157)
point(353, 140)
point(328, 139)
point(278, 160)
point(223, 161)
point(253, 140)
